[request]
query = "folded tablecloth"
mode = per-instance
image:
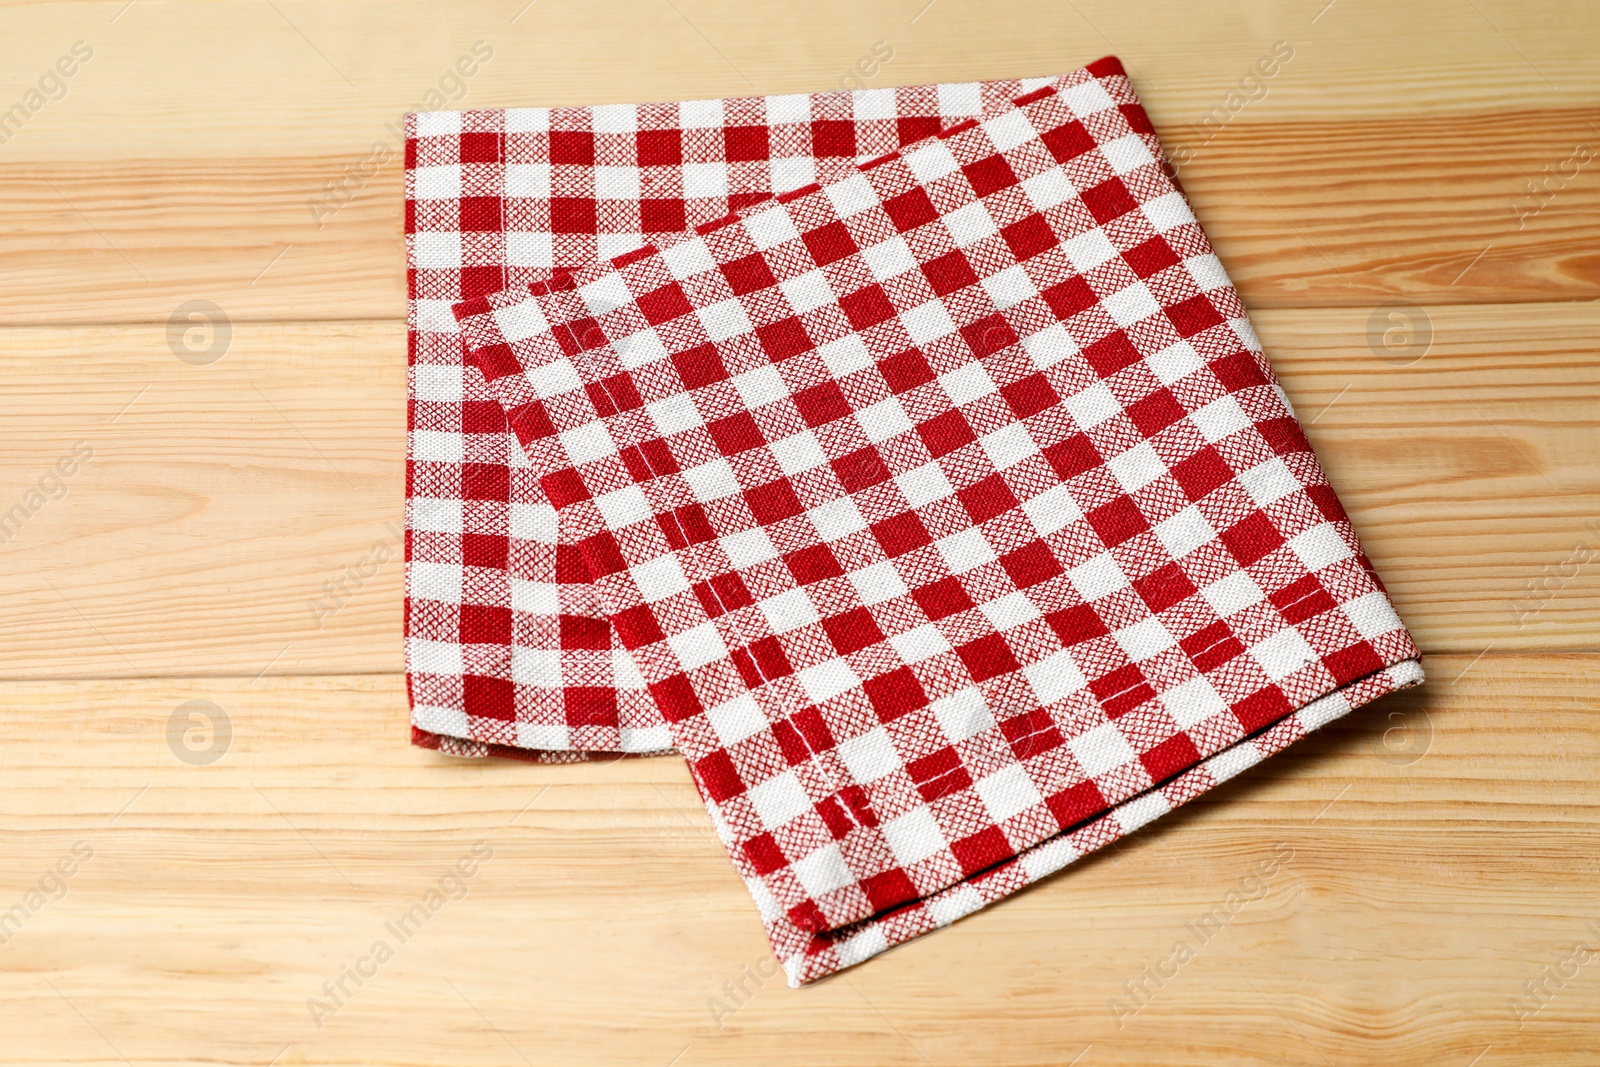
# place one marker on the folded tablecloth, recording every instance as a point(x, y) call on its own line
point(506, 651)
point(943, 511)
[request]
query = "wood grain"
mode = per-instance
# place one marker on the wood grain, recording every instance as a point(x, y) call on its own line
point(219, 501)
point(1425, 882)
point(1304, 214)
point(1442, 841)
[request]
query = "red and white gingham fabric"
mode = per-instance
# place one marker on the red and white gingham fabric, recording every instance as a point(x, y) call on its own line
point(506, 650)
point(949, 514)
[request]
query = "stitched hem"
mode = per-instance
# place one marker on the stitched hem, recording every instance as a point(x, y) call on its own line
point(807, 958)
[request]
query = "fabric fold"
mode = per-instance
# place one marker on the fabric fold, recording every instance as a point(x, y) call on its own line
point(507, 653)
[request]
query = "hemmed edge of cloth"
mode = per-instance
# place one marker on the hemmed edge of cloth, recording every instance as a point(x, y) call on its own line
point(463, 748)
point(815, 957)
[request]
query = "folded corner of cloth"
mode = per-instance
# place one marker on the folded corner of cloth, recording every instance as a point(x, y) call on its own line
point(918, 477)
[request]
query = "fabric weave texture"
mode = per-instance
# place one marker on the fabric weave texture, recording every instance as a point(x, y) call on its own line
point(943, 511)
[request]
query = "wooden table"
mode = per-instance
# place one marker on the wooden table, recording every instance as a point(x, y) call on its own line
point(1440, 889)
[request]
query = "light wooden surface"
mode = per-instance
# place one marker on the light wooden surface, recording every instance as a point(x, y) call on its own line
point(1443, 843)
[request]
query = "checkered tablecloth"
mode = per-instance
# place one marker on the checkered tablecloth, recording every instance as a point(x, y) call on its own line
point(943, 512)
point(506, 651)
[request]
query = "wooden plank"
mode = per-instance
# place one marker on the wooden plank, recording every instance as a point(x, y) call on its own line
point(1438, 853)
point(222, 497)
point(1303, 214)
point(343, 68)
point(1435, 211)
point(125, 200)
